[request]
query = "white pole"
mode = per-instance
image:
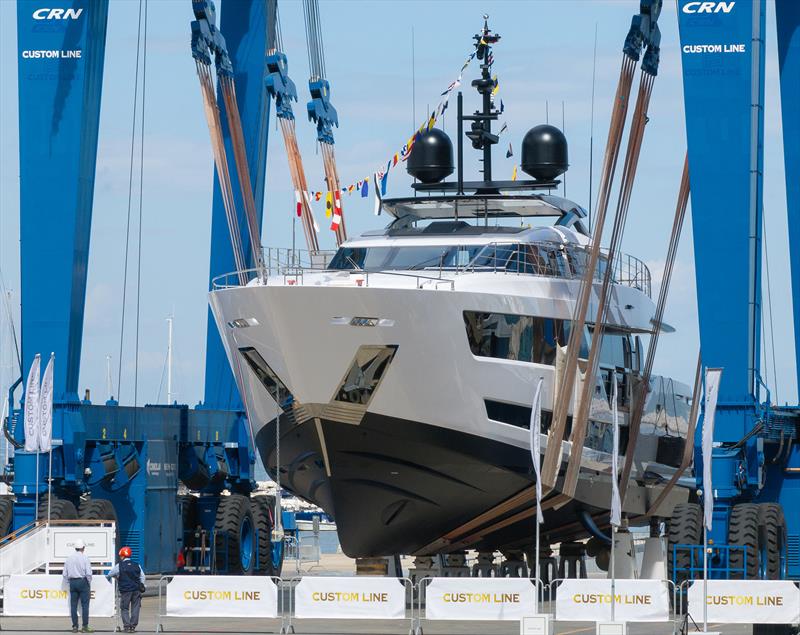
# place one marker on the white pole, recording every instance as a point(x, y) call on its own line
point(169, 360)
point(705, 578)
point(613, 574)
point(5, 441)
point(536, 565)
point(36, 512)
point(49, 483)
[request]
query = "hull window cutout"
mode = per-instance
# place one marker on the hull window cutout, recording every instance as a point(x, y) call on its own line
point(267, 377)
point(365, 374)
point(524, 338)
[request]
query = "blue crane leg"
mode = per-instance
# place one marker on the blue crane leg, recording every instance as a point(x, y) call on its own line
point(244, 25)
point(723, 132)
point(59, 116)
point(787, 17)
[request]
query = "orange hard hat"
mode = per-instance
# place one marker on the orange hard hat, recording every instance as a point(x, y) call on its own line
point(125, 552)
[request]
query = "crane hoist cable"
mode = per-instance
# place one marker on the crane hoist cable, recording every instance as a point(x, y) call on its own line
point(581, 418)
point(282, 89)
point(207, 40)
point(643, 31)
point(323, 114)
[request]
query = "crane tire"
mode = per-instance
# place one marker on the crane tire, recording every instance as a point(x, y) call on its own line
point(6, 515)
point(684, 528)
point(234, 542)
point(772, 527)
point(743, 530)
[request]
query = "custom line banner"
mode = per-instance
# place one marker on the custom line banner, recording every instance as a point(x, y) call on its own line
point(350, 598)
point(590, 600)
point(479, 599)
point(747, 601)
point(48, 596)
point(222, 596)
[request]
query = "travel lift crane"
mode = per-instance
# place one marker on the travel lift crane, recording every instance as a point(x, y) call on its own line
point(111, 461)
point(756, 454)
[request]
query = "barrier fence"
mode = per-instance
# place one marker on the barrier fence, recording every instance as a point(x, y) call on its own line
point(399, 600)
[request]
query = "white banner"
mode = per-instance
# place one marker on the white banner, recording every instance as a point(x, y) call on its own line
point(350, 598)
point(479, 599)
point(536, 446)
point(46, 408)
point(590, 600)
point(616, 503)
point(222, 596)
point(32, 411)
point(48, 596)
point(747, 601)
point(713, 377)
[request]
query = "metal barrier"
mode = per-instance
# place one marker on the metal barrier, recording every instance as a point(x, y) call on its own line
point(162, 612)
point(290, 590)
point(424, 584)
point(672, 591)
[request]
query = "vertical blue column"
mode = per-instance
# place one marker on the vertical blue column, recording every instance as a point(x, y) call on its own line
point(244, 25)
point(787, 17)
point(60, 64)
point(722, 52)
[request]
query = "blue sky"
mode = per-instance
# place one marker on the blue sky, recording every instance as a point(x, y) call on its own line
point(545, 57)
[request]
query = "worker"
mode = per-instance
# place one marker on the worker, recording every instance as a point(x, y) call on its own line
point(131, 586)
point(78, 574)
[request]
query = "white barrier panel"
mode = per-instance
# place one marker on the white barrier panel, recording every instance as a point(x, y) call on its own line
point(590, 600)
point(221, 596)
point(747, 601)
point(350, 598)
point(479, 599)
point(48, 596)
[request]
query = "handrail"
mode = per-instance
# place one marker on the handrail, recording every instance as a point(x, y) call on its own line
point(541, 258)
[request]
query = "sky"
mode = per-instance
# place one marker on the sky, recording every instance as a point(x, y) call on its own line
point(544, 60)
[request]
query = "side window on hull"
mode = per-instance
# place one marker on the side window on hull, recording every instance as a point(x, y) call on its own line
point(523, 338)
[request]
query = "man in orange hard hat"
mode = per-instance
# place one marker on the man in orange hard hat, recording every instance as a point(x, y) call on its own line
point(131, 586)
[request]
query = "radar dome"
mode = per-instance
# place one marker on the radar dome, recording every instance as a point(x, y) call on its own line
point(431, 158)
point(544, 153)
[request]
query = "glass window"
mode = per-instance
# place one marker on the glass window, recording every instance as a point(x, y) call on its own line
point(403, 258)
point(365, 373)
point(523, 338)
point(275, 387)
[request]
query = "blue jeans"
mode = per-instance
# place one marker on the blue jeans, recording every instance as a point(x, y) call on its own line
point(79, 590)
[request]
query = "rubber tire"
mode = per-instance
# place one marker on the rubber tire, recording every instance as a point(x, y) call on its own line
point(232, 512)
point(6, 515)
point(684, 528)
point(262, 517)
point(775, 629)
point(772, 528)
point(100, 509)
point(743, 530)
point(60, 509)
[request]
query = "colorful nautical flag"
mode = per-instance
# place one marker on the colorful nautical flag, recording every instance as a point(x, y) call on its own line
point(510, 151)
point(328, 204)
point(337, 211)
point(514, 174)
point(384, 180)
point(365, 188)
point(317, 196)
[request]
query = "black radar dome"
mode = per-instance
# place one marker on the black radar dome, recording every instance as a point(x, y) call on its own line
point(544, 153)
point(431, 158)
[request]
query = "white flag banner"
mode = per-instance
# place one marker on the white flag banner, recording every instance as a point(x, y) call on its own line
point(46, 409)
point(713, 377)
point(536, 446)
point(32, 411)
point(616, 504)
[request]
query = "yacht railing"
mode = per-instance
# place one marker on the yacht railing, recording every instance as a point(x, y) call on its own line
point(548, 259)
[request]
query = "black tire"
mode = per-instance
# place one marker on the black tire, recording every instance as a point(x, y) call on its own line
point(188, 506)
point(262, 516)
point(60, 509)
point(684, 528)
point(233, 515)
point(6, 515)
point(743, 530)
point(772, 528)
point(775, 629)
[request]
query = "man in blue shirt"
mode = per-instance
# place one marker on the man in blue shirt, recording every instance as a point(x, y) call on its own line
point(78, 574)
point(131, 586)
